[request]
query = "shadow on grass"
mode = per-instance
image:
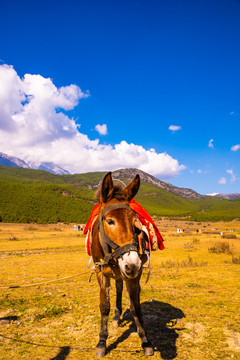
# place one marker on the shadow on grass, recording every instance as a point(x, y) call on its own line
point(8, 319)
point(159, 319)
point(62, 355)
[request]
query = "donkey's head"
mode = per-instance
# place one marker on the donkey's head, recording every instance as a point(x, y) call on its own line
point(119, 225)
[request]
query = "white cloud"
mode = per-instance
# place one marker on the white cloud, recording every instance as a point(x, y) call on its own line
point(200, 171)
point(34, 127)
point(102, 129)
point(11, 96)
point(233, 176)
point(30, 108)
point(235, 147)
point(210, 144)
point(174, 128)
point(222, 181)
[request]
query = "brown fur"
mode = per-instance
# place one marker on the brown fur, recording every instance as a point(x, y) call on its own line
point(118, 193)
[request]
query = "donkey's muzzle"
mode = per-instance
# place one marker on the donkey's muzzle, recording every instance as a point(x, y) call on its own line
point(130, 264)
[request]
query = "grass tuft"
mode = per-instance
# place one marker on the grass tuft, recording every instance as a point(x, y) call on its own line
point(51, 312)
point(221, 247)
point(189, 262)
point(13, 238)
point(236, 259)
point(229, 236)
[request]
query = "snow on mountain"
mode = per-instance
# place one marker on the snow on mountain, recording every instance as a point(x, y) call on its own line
point(50, 167)
point(8, 160)
point(228, 196)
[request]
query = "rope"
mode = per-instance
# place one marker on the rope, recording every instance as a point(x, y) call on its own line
point(132, 350)
point(120, 181)
point(93, 270)
point(45, 345)
point(45, 282)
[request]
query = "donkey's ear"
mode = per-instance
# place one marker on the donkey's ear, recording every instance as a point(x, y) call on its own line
point(132, 189)
point(106, 191)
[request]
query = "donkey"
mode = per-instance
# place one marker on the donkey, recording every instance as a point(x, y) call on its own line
point(117, 254)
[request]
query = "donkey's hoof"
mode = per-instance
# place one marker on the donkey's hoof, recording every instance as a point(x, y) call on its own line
point(148, 351)
point(100, 352)
point(147, 348)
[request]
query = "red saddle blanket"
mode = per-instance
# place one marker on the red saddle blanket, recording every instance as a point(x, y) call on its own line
point(156, 239)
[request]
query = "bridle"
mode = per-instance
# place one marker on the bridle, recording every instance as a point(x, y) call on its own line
point(110, 248)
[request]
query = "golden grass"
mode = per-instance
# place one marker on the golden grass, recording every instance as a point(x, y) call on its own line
point(190, 304)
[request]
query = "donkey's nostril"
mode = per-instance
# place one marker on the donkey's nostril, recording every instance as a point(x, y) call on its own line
point(130, 269)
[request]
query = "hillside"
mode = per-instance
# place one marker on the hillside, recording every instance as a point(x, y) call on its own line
point(92, 180)
point(128, 174)
point(38, 196)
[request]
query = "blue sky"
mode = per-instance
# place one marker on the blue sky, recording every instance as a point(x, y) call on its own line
point(98, 85)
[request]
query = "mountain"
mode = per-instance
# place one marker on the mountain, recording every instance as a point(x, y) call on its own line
point(8, 160)
point(228, 196)
point(39, 196)
point(50, 167)
point(93, 181)
point(122, 174)
point(130, 173)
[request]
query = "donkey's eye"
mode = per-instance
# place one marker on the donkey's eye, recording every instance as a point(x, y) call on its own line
point(110, 222)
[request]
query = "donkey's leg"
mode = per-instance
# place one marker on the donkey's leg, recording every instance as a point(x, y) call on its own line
point(134, 289)
point(104, 283)
point(118, 309)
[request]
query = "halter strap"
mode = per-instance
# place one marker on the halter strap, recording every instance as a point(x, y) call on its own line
point(113, 207)
point(109, 244)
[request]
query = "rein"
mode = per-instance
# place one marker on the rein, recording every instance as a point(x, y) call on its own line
point(108, 244)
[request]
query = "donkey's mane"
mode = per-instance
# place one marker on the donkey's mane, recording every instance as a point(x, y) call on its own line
point(118, 193)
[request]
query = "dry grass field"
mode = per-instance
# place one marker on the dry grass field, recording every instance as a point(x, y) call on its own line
point(49, 309)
